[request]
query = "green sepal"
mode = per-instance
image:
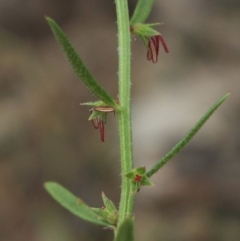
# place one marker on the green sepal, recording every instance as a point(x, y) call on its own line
point(110, 218)
point(72, 203)
point(140, 170)
point(136, 171)
point(96, 114)
point(78, 65)
point(146, 181)
point(145, 30)
point(108, 213)
point(94, 103)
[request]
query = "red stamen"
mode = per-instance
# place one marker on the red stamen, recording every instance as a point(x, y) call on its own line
point(154, 50)
point(156, 44)
point(95, 123)
point(149, 52)
point(101, 127)
point(153, 47)
point(160, 38)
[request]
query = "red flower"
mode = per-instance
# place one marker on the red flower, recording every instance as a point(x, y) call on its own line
point(98, 122)
point(153, 47)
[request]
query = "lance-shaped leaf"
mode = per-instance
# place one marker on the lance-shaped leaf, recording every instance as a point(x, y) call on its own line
point(72, 203)
point(125, 231)
point(187, 138)
point(78, 65)
point(142, 11)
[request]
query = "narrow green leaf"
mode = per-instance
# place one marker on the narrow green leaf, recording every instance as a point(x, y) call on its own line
point(187, 138)
point(72, 203)
point(142, 11)
point(78, 65)
point(125, 231)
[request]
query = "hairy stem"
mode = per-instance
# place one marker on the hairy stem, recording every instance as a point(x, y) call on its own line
point(124, 115)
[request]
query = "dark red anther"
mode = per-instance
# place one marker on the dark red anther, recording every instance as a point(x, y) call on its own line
point(153, 47)
point(101, 127)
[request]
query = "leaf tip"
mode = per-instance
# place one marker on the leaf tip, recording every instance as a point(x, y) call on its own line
point(47, 18)
point(47, 185)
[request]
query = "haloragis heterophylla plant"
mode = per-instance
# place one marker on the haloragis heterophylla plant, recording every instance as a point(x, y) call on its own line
point(120, 219)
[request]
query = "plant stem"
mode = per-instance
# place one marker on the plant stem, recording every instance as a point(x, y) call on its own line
point(124, 115)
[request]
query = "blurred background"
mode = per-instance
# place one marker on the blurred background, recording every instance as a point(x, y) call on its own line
point(45, 135)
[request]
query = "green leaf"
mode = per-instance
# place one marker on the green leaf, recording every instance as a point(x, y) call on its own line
point(125, 231)
point(78, 65)
point(142, 11)
point(187, 138)
point(72, 203)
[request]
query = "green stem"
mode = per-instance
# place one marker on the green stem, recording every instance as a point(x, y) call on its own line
point(124, 115)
